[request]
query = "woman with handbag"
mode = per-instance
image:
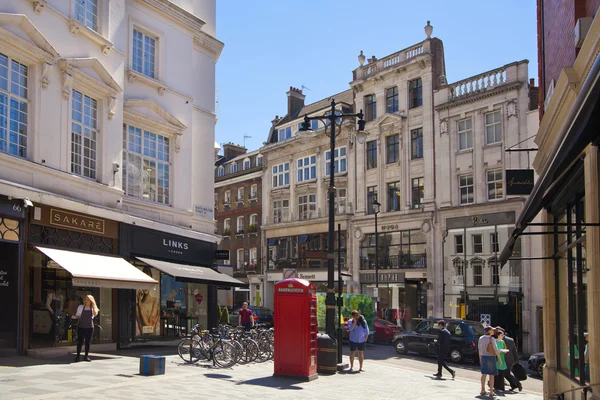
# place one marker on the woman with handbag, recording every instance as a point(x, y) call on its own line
point(488, 352)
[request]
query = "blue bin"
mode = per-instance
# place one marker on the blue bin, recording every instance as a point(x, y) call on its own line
point(152, 365)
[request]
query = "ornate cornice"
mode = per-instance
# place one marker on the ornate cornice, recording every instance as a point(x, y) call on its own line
point(168, 124)
point(209, 43)
point(176, 13)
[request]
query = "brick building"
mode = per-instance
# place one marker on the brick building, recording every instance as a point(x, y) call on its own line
point(238, 211)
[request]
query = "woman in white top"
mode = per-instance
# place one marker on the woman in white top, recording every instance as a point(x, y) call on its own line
point(85, 330)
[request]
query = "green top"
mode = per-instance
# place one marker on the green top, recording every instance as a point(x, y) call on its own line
point(500, 361)
point(576, 355)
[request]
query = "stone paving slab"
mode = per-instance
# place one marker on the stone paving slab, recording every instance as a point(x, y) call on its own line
point(116, 377)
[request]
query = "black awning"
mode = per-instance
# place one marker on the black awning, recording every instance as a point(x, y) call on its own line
point(576, 137)
point(193, 274)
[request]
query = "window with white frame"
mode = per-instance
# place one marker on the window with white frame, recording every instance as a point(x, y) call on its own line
point(281, 211)
point(459, 269)
point(340, 201)
point(465, 186)
point(477, 265)
point(465, 134)
point(227, 227)
point(84, 130)
point(227, 198)
point(240, 195)
point(477, 242)
point(216, 200)
point(493, 127)
point(284, 133)
point(254, 191)
point(339, 163)
point(307, 168)
point(240, 225)
point(233, 167)
point(281, 174)
point(240, 259)
point(495, 267)
point(459, 246)
point(259, 160)
point(495, 245)
point(221, 171)
point(86, 12)
point(253, 256)
point(14, 106)
point(146, 157)
point(253, 227)
point(307, 206)
point(144, 53)
point(246, 163)
point(494, 184)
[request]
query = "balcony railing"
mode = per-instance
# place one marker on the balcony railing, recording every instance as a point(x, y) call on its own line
point(402, 261)
point(226, 232)
point(390, 61)
point(240, 199)
point(478, 83)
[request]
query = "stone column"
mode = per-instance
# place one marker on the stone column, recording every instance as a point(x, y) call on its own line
point(592, 247)
point(549, 308)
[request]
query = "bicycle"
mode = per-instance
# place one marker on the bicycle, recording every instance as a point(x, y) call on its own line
point(205, 346)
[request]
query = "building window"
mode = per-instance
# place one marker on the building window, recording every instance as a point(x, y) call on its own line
point(253, 227)
point(495, 267)
point(307, 206)
point(418, 192)
point(240, 259)
point(459, 269)
point(253, 258)
point(477, 265)
point(495, 246)
point(372, 154)
point(371, 198)
point(314, 124)
point(86, 12)
point(285, 133)
point(465, 134)
point(253, 192)
point(392, 145)
point(240, 225)
point(259, 160)
point(227, 227)
point(281, 211)
point(246, 163)
point(465, 185)
point(307, 168)
point(233, 167)
point(393, 200)
point(370, 108)
point(216, 200)
point(339, 163)
point(144, 54)
point(227, 198)
point(13, 106)
point(240, 195)
point(459, 246)
point(340, 201)
point(221, 171)
point(416, 143)
point(281, 175)
point(493, 128)
point(391, 96)
point(146, 159)
point(415, 93)
point(477, 241)
point(84, 129)
point(494, 184)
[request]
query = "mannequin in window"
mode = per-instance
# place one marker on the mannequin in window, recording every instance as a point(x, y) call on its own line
point(54, 304)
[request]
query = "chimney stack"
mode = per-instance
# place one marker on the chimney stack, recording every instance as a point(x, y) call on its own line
point(295, 101)
point(231, 150)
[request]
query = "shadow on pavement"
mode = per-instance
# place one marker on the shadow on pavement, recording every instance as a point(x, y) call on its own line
point(24, 361)
point(218, 376)
point(272, 382)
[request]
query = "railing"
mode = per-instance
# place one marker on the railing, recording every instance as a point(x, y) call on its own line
point(253, 196)
point(478, 83)
point(226, 232)
point(240, 199)
point(389, 61)
point(402, 261)
point(239, 232)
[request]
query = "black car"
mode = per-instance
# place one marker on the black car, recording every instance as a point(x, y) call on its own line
point(536, 363)
point(463, 342)
point(264, 315)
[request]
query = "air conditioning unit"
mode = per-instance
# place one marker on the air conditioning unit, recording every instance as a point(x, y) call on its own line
point(582, 28)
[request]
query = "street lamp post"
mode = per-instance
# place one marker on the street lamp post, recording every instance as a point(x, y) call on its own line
point(376, 207)
point(332, 118)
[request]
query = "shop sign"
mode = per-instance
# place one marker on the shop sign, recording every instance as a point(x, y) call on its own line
point(70, 220)
point(519, 181)
point(4, 282)
point(12, 208)
point(385, 277)
point(308, 277)
point(389, 227)
point(502, 218)
point(221, 254)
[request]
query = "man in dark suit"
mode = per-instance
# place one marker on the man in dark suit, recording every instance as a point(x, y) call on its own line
point(443, 343)
point(512, 357)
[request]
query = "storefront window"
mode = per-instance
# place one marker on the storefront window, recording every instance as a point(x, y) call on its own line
point(147, 306)
point(397, 250)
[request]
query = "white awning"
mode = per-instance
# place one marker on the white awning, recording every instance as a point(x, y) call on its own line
point(99, 271)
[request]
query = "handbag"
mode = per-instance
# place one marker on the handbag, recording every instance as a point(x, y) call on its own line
point(519, 372)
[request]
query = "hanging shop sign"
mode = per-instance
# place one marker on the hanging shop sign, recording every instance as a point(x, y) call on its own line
point(13, 208)
point(384, 277)
point(519, 181)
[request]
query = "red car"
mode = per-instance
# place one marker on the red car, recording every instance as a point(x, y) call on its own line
point(385, 330)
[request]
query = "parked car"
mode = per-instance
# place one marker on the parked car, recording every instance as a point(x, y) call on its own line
point(463, 342)
point(536, 363)
point(385, 330)
point(261, 315)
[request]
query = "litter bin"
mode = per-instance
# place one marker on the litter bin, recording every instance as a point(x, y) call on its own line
point(327, 354)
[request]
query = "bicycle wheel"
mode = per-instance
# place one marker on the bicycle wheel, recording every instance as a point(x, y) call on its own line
point(264, 351)
point(239, 352)
point(190, 350)
point(251, 350)
point(224, 354)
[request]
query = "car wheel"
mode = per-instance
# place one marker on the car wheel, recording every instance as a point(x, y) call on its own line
point(540, 369)
point(371, 339)
point(456, 355)
point(400, 347)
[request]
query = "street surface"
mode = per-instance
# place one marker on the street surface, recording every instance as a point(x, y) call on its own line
point(115, 376)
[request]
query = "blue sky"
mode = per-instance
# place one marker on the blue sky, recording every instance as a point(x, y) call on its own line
point(271, 45)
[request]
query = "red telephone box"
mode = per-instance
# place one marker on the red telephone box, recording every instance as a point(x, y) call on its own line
point(296, 329)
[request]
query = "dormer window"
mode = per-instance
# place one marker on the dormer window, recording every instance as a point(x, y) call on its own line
point(246, 163)
point(234, 168)
point(221, 171)
point(285, 133)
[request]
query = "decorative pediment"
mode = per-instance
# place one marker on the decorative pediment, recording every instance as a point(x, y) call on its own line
point(148, 115)
point(390, 123)
point(20, 35)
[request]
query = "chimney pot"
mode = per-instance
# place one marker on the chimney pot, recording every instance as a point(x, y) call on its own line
point(532, 82)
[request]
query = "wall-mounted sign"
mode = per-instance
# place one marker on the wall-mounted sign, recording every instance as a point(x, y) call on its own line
point(221, 254)
point(203, 211)
point(501, 218)
point(389, 227)
point(73, 221)
point(385, 277)
point(12, 208)
point(519, 181)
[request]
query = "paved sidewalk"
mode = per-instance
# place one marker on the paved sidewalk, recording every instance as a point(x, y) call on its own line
point(116, 377)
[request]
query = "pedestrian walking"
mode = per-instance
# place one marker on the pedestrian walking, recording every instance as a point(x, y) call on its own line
point(512, 358)
point(359, 332)
point(443, 344)
point(488, 352)
point(500, 361)
point(245, 317)
point(85, 329)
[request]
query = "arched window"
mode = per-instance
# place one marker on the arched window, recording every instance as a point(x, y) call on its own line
point(221, 171)
point(246, 164)
point(234, 168)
